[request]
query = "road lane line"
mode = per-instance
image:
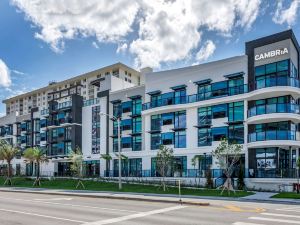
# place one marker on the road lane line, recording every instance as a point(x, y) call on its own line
point(40, 215)
point(137, 215)
point(243, 223)
point(282, 215)
point(274, 220)
point(289, 208)
point(72, 205)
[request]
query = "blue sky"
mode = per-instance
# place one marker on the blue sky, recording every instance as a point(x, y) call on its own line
point(49, 40)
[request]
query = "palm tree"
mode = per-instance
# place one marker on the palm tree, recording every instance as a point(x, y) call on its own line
point(76, 166)
point(7, 153)
point(38, 156)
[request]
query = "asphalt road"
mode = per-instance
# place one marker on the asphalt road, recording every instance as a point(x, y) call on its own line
point(37, 209)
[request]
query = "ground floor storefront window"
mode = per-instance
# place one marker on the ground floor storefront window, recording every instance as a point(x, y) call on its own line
point(91, 168)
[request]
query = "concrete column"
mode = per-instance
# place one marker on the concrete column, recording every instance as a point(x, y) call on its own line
point(246, 136)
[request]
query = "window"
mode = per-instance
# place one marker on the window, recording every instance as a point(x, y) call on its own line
point(155, 122)
point(117, 109)
point(219, 111)
point(260, 71)
point(54, 133)
point(180, 120)
point(167, 138)
point(155, 141)
point(236, 111)
point(266, 158)
point(236, 134)
point(283, 65)
point(180, 139)
point(156, 100)
point(137, 143)
point(236, 85)
point(135, 167)
point(204, 137)
point(126, 142)
point(219, 88)
point(180, 96)
point(167, 98)
point(167, 118)
point(126, 124)
point(126, 107)
point(115, 144)
point(218, 133)
point(136, 107)
point(137, 125)
point(204, 116)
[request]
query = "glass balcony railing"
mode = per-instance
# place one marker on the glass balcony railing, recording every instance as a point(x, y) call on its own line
point(229, 91)
point(93, 101)
point(197, 97)
point(274, 108)
point(272, 135)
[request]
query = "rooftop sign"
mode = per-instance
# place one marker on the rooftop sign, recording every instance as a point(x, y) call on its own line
point(271, 54)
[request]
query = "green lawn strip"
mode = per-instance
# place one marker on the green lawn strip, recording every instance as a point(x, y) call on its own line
point(110, 186)
point(287, 195)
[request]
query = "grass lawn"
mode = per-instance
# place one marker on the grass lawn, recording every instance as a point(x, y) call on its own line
point(109, 186)
point(287, 195)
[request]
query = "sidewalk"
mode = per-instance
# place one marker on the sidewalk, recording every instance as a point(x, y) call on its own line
point(167, 198)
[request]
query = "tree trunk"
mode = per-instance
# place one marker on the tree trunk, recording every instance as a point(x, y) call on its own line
point(8, 180)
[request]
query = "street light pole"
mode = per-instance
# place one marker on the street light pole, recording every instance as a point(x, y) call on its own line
point(118, 119)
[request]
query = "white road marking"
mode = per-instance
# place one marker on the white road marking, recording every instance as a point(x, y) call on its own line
point(282, 215)
point(53, 199)
point(137, 215)
point(274, 220)
point(290, 209)
point(71, 205)
point(242, 223)
point(40, 215)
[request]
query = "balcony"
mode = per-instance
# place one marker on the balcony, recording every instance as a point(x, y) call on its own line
point(273, 135)
point(274, 108)
point(230, 91)
point(265, 82)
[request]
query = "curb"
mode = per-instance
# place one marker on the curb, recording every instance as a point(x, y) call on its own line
point(113, 197)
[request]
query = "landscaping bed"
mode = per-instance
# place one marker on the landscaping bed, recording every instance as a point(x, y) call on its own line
point(92, 185)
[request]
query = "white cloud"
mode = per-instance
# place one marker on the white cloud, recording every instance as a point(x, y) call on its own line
point(107, 20)
point(167, 30)
point(206, 51)
point(122, 48)
point(5, 80)
point(287, 15)
point(18, 72)
point(94, 43)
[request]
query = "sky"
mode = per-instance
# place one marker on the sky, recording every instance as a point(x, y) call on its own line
point(52, 40)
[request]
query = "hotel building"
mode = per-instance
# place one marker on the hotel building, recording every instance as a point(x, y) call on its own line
point(252, 99)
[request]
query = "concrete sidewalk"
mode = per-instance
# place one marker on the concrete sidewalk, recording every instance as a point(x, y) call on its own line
point(167, 198)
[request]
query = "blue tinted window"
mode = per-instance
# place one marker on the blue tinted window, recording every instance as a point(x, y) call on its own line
point(155, 141)
point(204, 137)
point(126, 124)
point(260, 70)
point(167, 138)
point(180, 139)
point(282, 65)
point(167, 118)
point(219, 111)
point(218, 133)
point(126, 142)
point(126, 106)
point(271, 68)
point(155, 122)
point(180, 119)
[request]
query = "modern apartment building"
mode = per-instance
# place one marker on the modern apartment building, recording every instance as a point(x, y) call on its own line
point(252, 99)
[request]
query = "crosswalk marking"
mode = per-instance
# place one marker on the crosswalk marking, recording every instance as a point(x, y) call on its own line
point(242, 223)
point(282, 215)
point(274, 220)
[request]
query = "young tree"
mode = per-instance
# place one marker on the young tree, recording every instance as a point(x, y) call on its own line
point(7, 153)
point(227, 155)
point(197, 159)
point(77, 166)
point(38, 156)
point(107, 158)
point(241, 182)
point(164, 161)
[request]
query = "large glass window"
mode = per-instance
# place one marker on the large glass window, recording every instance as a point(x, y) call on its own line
point(204, 91)
point(236, 111)
point(204, 116)
point(155, 141)
point(135, 167)
point(137, 106)
point(180, 96)
point(137, 143)
point(180, 120)
point(167, 118)
point(126, 124)
point(126, 142)
point(126, 107)
point(236, 85)
point(117, 109)
point(155, 122)
point(167, 138)
point(167, 98)
point(218, 133)
point(180, 139)
point(136, 125)
point(219, 89)
point(266, 158)
point(236, 133)
point(219, 111)
point(204, 137)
